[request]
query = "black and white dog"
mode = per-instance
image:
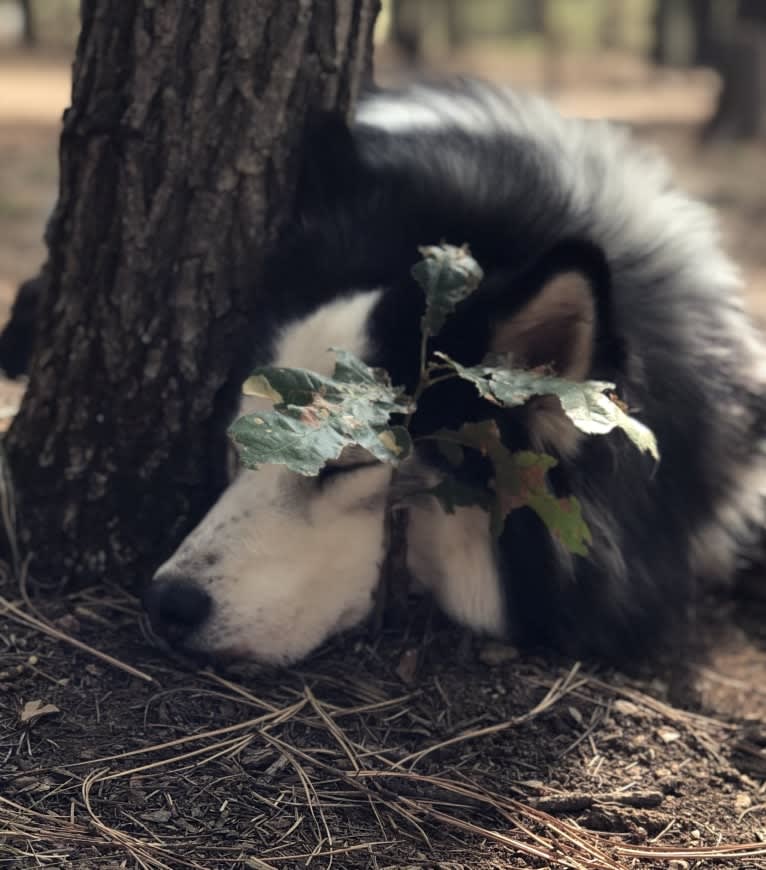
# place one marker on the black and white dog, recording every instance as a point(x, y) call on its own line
point(594, 263)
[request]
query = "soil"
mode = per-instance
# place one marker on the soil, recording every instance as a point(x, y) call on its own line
point(418, 747)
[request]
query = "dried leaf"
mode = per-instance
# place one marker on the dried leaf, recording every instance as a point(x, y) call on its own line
point(157, 815)
point(34, 710)
point(407, 668)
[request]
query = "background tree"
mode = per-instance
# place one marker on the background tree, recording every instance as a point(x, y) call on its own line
point(28, 23)
point(729, 37)
point(612, 24)
point(178, 161)
point(406, 30)
point(739, 55)
point(685, 31)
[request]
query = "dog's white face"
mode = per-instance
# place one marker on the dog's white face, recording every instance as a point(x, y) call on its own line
point(282, 561)
point(286, 560)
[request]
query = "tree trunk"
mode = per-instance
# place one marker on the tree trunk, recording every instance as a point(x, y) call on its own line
point(740, 58)
point(675, 32)
point(741, 109)
point(530, 16)
point(178, 163)
point(659, 44)
point(28, 24)
point(612, 25)
point(455, 24)
point(406, 33)
point(704, 22)
point(553, 48)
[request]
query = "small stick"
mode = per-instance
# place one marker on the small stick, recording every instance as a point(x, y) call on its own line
point(11, 610)
point(576, 802)
point(394, 582)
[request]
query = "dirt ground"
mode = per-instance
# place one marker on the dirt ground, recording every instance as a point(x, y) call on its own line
point(418, 748)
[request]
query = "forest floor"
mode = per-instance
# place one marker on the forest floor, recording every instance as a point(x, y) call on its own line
point(416, 748)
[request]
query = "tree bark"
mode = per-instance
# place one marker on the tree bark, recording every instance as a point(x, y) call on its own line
point(179, 158)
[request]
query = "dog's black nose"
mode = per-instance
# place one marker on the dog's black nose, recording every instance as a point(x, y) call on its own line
point(176, 607)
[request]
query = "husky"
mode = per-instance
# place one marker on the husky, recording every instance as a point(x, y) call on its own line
point(595, 264)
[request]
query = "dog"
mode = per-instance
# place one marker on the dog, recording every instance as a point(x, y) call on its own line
point(595, 264)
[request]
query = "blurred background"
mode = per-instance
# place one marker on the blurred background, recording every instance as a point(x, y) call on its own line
point(688, 75)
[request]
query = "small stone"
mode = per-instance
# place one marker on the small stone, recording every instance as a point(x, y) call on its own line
point(668, 735)
point(575, 714)
point(742, 802)
point(627, 708)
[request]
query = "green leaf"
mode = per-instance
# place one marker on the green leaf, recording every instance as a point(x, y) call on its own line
point(562, 516)
point(519, 480)
point(588, 404)
point(448, 275)
point(564, 519)
point(316, 417)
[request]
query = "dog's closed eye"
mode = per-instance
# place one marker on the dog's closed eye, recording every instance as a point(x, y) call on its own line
point(334, 470)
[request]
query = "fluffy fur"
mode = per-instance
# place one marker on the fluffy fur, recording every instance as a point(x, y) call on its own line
point(594, 262)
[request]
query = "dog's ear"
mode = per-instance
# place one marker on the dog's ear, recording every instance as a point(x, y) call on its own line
point(565, 323)
point(564, 314)
point(556, 328)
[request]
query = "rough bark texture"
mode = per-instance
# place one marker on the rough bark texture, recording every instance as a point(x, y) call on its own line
point(178, 165)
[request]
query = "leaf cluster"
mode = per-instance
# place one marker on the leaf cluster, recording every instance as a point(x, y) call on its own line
point(315, 418)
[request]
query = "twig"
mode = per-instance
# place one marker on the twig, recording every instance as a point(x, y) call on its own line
point(13, 612)
point(560, 688)
point(394, 582)
point(576, 802)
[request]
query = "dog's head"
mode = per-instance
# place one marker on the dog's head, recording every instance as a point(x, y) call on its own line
point(283, 561)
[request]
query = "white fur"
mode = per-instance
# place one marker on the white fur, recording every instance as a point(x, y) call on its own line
point(306, 344)
point(293, 566)
point(736, 527)
point(453, 556)
point(288, 563)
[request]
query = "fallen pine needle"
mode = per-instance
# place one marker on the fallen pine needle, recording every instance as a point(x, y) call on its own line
point(13, 612)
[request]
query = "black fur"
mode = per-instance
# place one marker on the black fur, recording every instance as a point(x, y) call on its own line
point(367, 203)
